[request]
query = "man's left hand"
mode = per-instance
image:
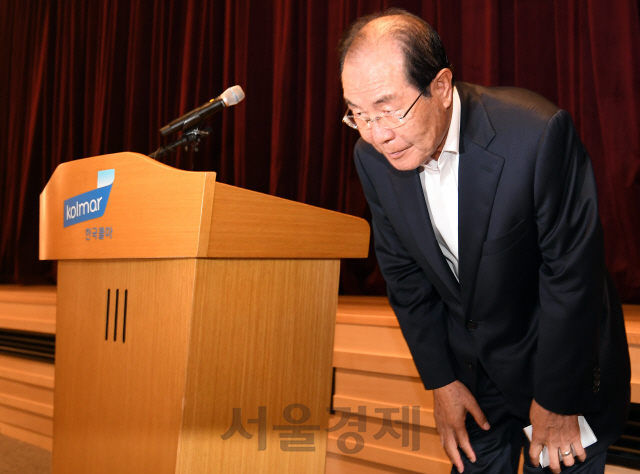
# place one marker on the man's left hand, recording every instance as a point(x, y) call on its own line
point(558, 433)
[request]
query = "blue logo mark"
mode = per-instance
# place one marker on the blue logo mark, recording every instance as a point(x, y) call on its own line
point(92, 204)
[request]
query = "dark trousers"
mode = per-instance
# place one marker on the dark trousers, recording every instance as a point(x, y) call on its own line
point(498, 450)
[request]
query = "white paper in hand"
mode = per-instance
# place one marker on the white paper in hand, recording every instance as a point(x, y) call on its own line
point(587, 438)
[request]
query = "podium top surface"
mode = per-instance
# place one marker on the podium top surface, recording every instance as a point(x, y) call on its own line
point(126, 205)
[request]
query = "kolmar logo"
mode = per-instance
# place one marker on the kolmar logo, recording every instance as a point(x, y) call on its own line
point(92, 204)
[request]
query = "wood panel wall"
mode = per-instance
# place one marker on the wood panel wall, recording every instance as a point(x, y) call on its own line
point(382, 419)
point(26, 386)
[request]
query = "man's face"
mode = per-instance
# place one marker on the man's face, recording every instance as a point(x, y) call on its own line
point(374, 84)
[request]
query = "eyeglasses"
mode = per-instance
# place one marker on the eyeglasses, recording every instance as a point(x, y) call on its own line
point(386, 121)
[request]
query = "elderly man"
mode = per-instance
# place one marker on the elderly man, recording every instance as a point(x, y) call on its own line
point(486, 228)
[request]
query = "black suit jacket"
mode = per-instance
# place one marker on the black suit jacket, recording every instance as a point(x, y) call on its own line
point(535, 305)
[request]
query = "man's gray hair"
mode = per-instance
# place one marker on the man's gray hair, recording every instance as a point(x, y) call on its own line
point(424, 54)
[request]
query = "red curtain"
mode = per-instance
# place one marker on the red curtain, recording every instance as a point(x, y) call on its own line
point(88, 78)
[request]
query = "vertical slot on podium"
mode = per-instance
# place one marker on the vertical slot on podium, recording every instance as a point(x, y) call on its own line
point(115, 317)
point(106, 330)
point(124, 315)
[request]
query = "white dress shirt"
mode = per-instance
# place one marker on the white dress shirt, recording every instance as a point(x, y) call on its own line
point(440, 186)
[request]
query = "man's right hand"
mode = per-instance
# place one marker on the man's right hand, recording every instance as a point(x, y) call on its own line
point(451, 404)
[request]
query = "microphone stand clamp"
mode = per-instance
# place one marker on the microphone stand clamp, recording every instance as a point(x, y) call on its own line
point(189, 138)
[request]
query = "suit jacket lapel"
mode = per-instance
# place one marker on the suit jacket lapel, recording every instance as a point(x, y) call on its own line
point(478, 176)
point(408, 190)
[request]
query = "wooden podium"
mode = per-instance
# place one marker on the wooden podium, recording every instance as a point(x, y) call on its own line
point(195, 321)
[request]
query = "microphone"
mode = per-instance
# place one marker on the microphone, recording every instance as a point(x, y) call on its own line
point(231, 96)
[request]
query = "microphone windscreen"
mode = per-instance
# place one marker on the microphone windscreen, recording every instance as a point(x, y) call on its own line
point(232, 95)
